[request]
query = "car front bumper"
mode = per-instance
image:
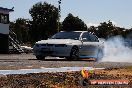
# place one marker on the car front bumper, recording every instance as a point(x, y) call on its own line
point(59, 51)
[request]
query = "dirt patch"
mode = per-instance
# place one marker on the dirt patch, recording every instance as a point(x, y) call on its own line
point(62, 79)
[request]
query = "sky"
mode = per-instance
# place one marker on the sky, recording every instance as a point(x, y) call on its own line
point(92, 12)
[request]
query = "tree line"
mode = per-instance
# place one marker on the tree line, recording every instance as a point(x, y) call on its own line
point(45, 22)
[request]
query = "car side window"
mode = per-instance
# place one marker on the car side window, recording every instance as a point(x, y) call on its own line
point(93, 38)
point(86, 37)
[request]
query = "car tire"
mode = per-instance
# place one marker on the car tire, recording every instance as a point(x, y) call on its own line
point(74, 54)
point(100, 55)
point(40, 57)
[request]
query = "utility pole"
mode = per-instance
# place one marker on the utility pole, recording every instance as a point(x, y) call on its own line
point(59, 11)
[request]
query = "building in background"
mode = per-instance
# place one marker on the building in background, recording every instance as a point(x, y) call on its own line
point(4, 29)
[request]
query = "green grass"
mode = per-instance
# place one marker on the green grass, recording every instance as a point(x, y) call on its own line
point(128, 67)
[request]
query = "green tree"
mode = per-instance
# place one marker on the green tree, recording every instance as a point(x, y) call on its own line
point(93, 30)
point(105, 29)
point(127, 32)
point(44, 21)
point(72, 23)
point(119, 31)
point(20, 28)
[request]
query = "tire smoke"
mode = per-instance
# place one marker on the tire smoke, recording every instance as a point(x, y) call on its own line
point(116, 51)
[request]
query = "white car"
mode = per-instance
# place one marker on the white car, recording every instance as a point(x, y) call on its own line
point(71, 45)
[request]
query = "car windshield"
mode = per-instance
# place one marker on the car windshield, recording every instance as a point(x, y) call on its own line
point(67, 35)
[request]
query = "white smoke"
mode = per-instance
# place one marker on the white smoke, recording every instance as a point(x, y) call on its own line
point(116, 51)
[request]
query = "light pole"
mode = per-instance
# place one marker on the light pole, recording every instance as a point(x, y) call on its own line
point(59, 10)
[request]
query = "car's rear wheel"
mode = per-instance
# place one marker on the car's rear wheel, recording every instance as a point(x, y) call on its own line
point(74, 55)
point(40, 57)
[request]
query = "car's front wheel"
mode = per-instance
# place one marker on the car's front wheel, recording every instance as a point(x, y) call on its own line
point(40, 57)
point(74, 55)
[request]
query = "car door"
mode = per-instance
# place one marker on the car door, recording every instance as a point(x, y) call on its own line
point(89, 45)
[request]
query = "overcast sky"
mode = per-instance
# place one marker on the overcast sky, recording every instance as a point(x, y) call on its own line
point(92, 12)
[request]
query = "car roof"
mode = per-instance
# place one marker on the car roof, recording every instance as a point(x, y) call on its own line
point(80, 31)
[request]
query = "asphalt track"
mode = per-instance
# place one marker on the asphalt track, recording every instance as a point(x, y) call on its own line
point(29, 61)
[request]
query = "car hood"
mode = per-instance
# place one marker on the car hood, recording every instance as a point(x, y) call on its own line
point(57, 41)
